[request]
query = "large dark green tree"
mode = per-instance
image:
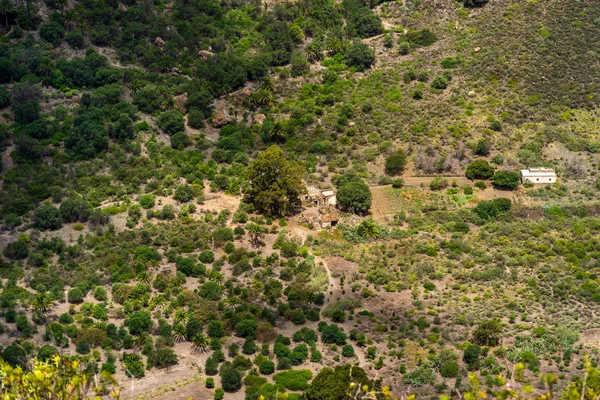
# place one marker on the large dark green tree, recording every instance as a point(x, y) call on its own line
point(275, 183)
point(354, 197)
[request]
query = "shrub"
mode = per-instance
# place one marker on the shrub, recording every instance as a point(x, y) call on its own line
point(422, 38)
point(231, 379)
point(83, 347)
point(180, 141)
point(139, 322)
point(266, 367)
point(395, 163)
point(398, 183)
point(488, 332)
point(438, 183)
point(348, 350)
point(483, 147)
point(210, 291)
point(52, 32)
point(474, 3)
point(75, 295)
point(17, 250)
point(295, 380)
point(75, 209)
point(449, 62)
point(219, 394)
point(489, 209)
point(480, 185)
point(75, 39)
point(147, 201)
point(184, 193)
point(100, 293)
point(404, 48)
point(449, 370)
point(46, 352)
point(479, 169)
point(210, 383)
point(206, 257)
point(171, 122)
point(195, 118)
point(440, 82)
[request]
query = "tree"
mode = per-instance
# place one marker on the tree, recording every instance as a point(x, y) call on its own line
point(395, 163)
point(483, 147)
point(360, 55)
point(479, 169)
point(300, 64)
point(231, 379)
point(171, 122)
point(210, 291)
point(89, 135)
point(47, 217)
point(139, 323)
point(488, 332)
point(256, 232)
point(75, 209)
point(275, 183)
point(122, 129)
point(6, 7)
point(354, 197)
point(42, 302)
point(17, 250)
point(489, 209)
point(508, 180)
point(471, 356)
point(184, 193)
point(52, 32)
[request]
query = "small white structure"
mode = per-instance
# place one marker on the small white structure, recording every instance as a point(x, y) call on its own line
point(538, 175)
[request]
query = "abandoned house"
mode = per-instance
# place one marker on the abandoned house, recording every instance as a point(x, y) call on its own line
point(320, 198)
point(538, 175)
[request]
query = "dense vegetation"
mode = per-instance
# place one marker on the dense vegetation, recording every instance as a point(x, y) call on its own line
point(154, 163)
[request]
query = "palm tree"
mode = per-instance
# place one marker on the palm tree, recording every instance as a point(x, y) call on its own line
point(277, 134)
point(158, 302)
point(200, 342)
point(144, 277)
point(232, 302)
point(69, 16)
point(267, 84)
point(42, 302)
point(61, 4)
point(6, 7)
point(179, 332)
point(334, 45)
point(256, 232)
point(181, 316)
point(141, 340)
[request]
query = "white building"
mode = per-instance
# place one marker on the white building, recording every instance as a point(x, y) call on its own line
point(538, 175)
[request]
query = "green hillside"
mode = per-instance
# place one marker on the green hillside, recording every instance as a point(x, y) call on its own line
point(311, 200)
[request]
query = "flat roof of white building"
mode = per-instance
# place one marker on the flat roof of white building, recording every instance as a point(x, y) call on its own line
point(538, 172)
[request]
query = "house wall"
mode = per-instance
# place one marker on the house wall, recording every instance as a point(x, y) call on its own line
point(539, 179)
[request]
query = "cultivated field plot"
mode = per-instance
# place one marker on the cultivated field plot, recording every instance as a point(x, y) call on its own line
point(387, 200)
